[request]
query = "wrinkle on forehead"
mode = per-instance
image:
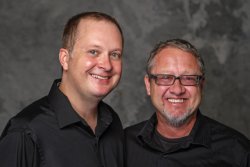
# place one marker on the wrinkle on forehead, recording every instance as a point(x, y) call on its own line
point(175, 61)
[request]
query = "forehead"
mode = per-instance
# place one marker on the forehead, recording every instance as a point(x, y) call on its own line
point(93, 24)
point(175, 59)
point(96, 31)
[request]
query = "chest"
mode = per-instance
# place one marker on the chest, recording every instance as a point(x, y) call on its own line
point(76, 147)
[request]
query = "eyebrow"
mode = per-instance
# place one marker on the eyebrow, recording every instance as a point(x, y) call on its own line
point(115, 50)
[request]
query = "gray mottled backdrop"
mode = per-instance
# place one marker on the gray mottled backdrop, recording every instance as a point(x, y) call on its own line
point(30, 33)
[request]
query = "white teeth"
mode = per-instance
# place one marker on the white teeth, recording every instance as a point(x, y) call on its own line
point(176, 100)
point(99, 77)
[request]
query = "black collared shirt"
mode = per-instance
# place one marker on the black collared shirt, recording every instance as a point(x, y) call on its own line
point(210, 144)
point(49, 133)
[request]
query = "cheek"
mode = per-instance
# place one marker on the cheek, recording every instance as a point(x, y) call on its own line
point(157, 98)
point(158, 92)
point(117, 67)
point(196, 96)
point(88, 63)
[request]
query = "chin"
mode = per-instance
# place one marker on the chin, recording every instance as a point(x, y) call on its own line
point(177, 119)
point(102, 93)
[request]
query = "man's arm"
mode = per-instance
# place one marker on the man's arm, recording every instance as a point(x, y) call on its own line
point(17, 149)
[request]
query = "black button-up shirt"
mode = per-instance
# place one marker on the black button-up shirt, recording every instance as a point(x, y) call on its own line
point(210, 144)
point(49, 133)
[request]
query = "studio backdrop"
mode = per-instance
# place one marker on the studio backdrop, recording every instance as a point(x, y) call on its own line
point(30, 38)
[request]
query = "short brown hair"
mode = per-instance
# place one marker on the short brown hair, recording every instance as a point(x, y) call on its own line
point(70, 29)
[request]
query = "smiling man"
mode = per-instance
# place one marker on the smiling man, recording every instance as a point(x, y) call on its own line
point(72, 126)
point(178, 135)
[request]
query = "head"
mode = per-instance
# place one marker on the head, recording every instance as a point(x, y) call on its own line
point(70, 29)
point(91, 56)
point(174, 80)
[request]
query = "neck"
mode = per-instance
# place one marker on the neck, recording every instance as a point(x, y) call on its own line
point(171, 132)
point(85, 107)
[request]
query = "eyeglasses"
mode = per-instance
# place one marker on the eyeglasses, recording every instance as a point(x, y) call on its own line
point(185, 80)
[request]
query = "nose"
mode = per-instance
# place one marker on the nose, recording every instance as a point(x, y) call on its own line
point(177, 88)
point(105, 62)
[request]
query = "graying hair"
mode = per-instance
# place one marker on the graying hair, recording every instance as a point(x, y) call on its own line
point(175, 43)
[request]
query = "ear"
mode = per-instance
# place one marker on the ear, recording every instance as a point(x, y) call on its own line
point(64, 58)
point(202, 84)
point(147, 84)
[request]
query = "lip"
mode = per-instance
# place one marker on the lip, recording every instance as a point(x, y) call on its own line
point(176, 100)
point(101, 77)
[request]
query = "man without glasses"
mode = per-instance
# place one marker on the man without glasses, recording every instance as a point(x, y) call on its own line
point(72, 126)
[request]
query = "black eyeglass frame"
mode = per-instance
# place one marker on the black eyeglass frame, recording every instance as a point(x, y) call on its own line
point(156, 77)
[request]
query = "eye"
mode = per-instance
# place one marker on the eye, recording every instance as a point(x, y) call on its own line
point(93, 52)
point(166, 77)
point(115, 55)
point(190, 78)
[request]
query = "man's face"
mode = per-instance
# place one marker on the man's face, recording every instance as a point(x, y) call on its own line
point(94, 66)
point(175, 103)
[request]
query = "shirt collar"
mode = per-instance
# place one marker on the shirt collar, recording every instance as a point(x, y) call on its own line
point(146, 133)
point(201, 131)
point(61, 106)
point(200, 134)
point(105, 118)
point(66, 115)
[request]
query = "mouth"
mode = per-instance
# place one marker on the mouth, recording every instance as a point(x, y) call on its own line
point(176, 100)
point(100, 77)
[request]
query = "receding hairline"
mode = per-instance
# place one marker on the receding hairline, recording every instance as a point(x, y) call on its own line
point(85, 23)
point(72, 27)
point(93, 19)
point(192, 52)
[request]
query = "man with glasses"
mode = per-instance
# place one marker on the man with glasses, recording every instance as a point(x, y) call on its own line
point(178, 134)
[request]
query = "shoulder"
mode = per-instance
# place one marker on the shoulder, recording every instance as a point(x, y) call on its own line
point(224, 130)
point(227, 135)
point(133, 130)
point(132, 140)
point(28, 115)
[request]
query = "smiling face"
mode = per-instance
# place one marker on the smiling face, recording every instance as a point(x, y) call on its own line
point(94, 66)
point(176, 104)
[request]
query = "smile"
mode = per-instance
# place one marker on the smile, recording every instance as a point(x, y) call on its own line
point(176, 100)
point(99, 77)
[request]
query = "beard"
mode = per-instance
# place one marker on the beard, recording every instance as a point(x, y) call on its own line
point(178, 121)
